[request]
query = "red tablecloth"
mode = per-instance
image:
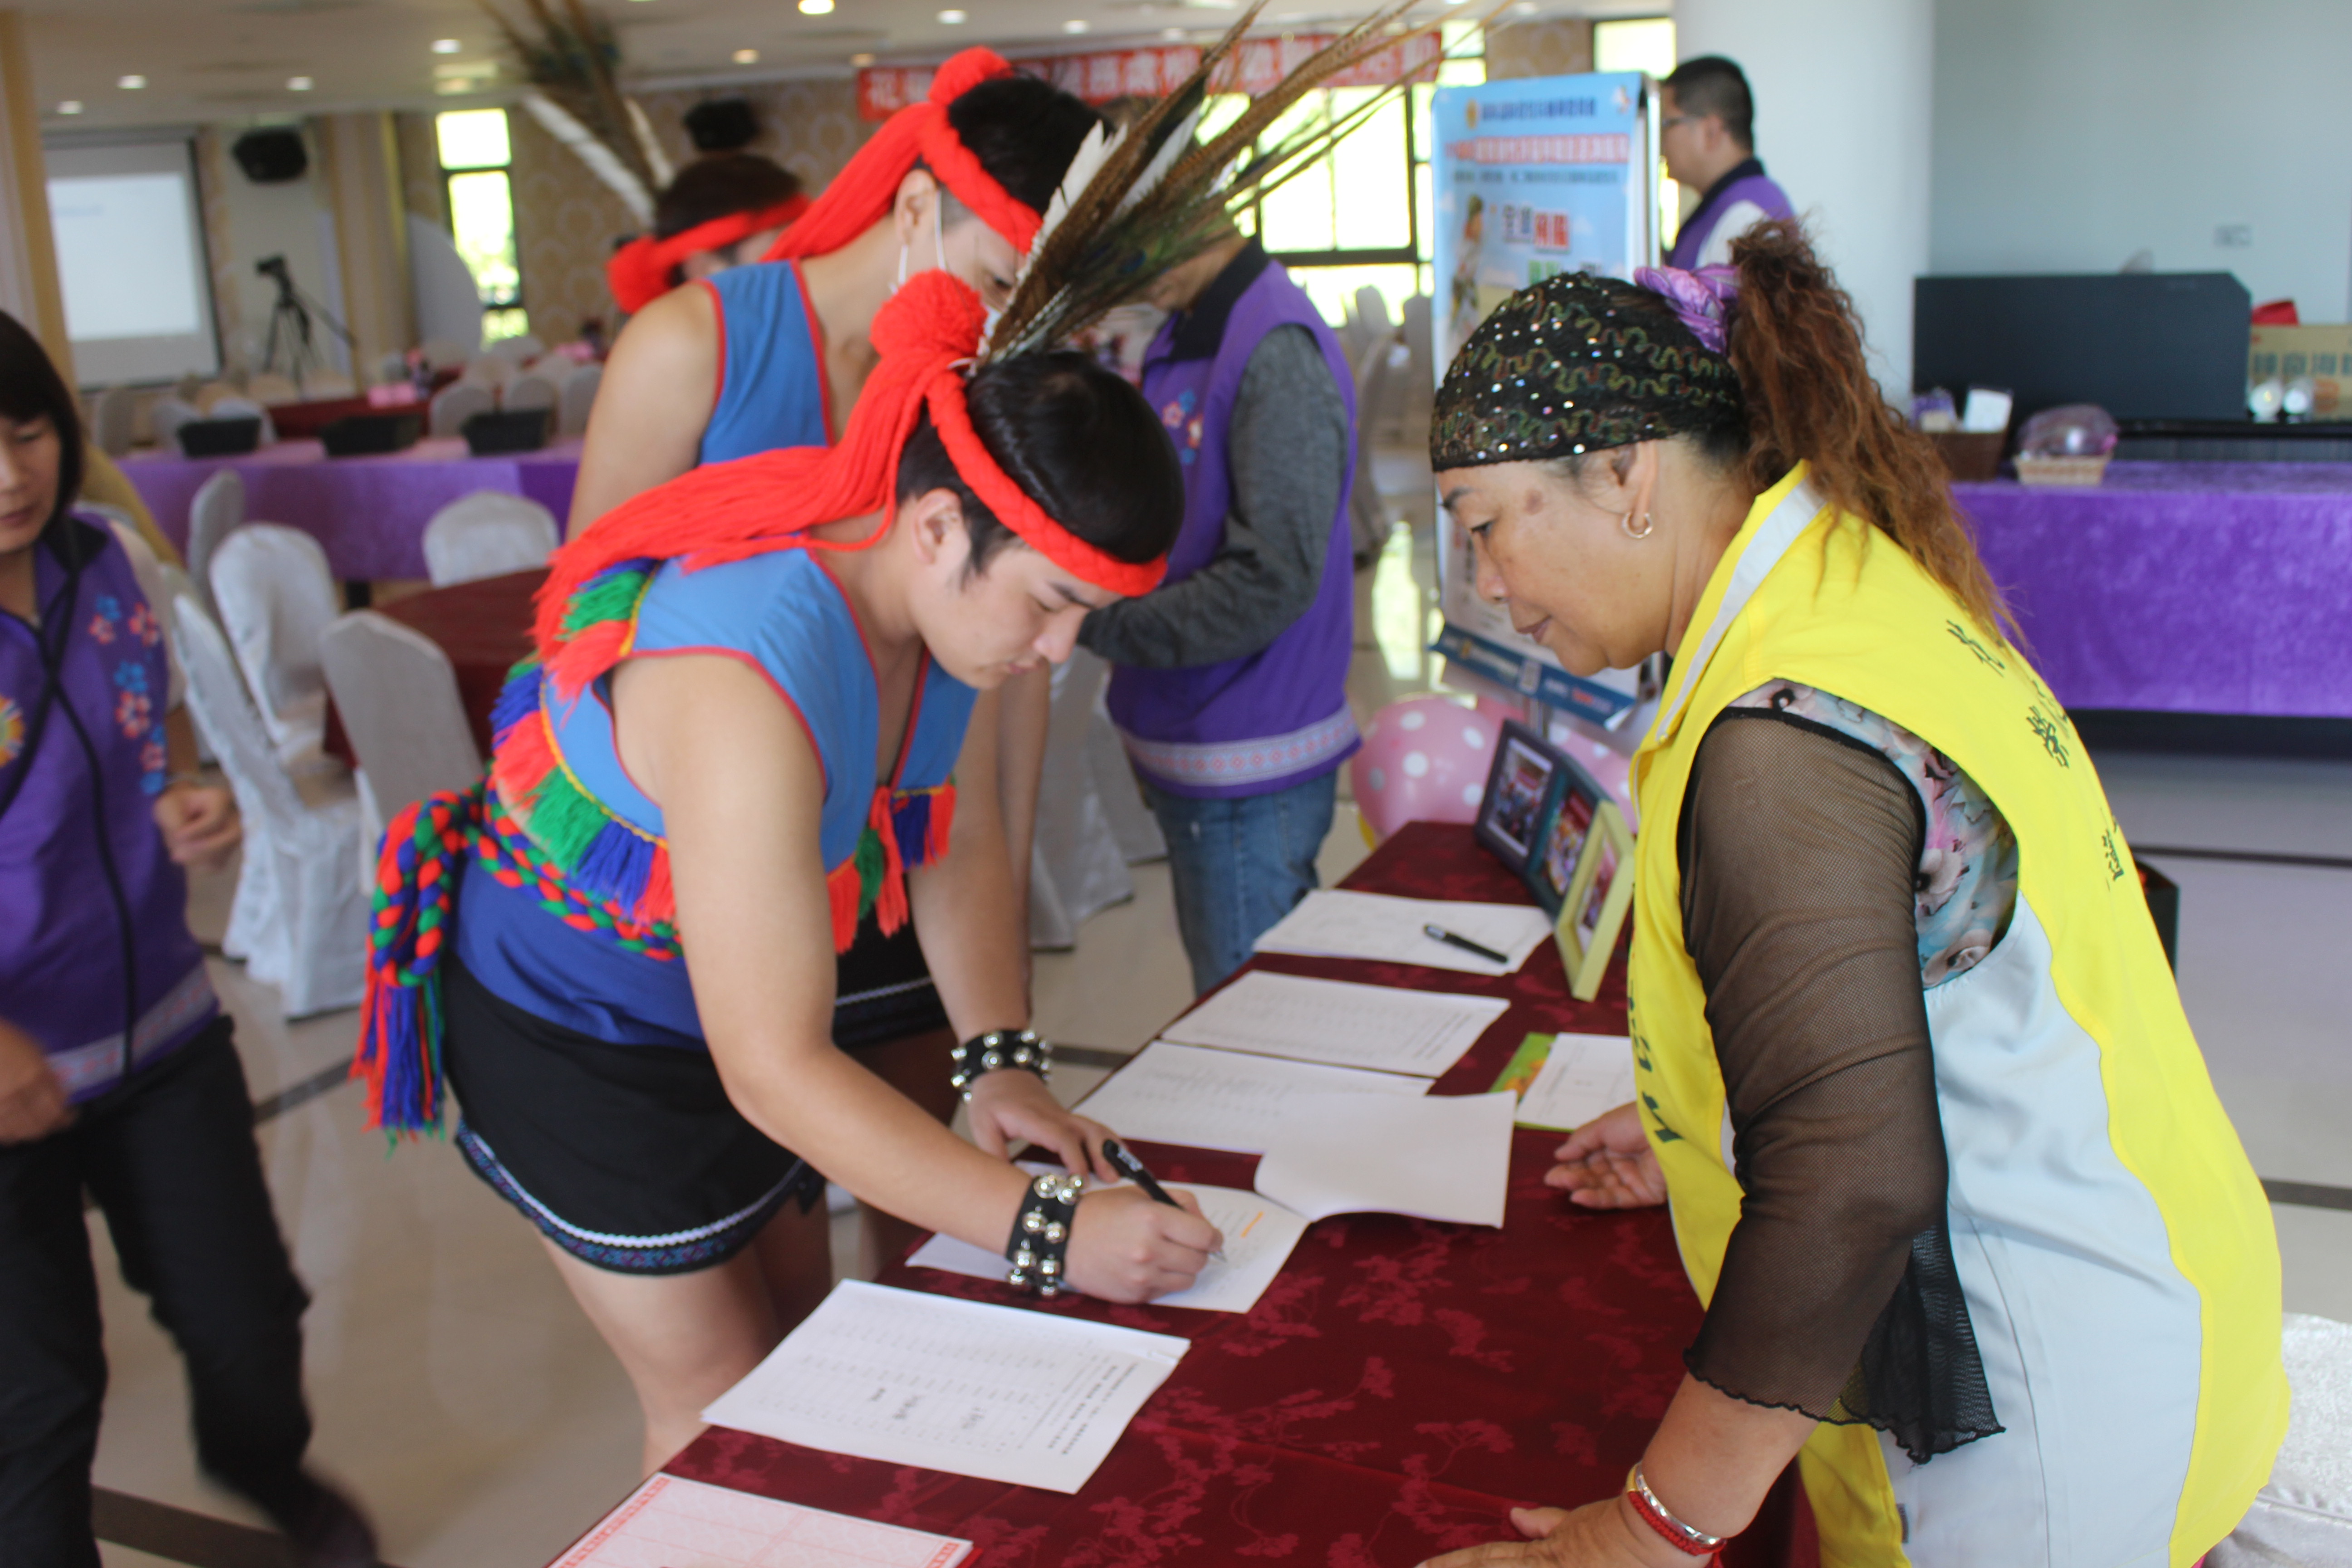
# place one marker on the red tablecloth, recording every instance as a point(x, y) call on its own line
point(1395, 1391)
point(368, 512)
point(484, 627)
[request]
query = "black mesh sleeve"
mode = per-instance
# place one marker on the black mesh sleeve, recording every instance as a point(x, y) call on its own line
point(1838, 1295)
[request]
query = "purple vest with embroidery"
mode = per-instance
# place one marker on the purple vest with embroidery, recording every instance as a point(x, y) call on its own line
point(62, 975)
point(1753, 187)
point(1278, 717)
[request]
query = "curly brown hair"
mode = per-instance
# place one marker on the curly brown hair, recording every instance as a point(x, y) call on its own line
point(1811, 397)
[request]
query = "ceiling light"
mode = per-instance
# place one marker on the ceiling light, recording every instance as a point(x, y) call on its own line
point(861, 61)
point(298, 84)
point(816, 8)
point(70, 106)
point(1173, 35)
point(454, 84)
point(447, 46)
point(131, 83)
point(954, 19)
point(1074, 25)
point(747, 56)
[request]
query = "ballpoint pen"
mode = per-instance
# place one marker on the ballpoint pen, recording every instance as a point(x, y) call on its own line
point(1133, 1170)
point(1439, 933)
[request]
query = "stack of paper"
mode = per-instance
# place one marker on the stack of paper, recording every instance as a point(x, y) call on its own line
point(672, 1523)
point(1335, 924)
point(1221, 1099)
point(1435, 1157)
point(994, 1392)
point(1583, 1076)
point(1382, 1027)
point(1258, 1234)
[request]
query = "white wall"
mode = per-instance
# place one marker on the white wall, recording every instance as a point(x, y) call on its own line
point(2071, 133)
point(289, 219)
point(1843, 121)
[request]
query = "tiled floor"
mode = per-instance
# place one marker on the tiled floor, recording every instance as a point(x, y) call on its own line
point(463, 1397)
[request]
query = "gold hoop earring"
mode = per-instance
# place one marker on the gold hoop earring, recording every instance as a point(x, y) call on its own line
point(1649, 526)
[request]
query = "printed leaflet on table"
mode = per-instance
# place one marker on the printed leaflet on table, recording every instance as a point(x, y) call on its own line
point(1382, 1027)
point(671, 1521)
point(1565, 1081)
point(1201, 1099)
point(1438, 1157)
point(1335, 923)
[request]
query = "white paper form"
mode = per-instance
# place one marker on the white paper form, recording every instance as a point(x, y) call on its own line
point(1259, 1234)
point(1438, 1157)
point(1339, 1023)
point(1584, 1076)
point(1222, 1100)
point(673, 1523)
point(961, 1387)
point(1340, 924)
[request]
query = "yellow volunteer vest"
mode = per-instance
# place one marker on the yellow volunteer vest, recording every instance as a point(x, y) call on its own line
point(2116, 1250)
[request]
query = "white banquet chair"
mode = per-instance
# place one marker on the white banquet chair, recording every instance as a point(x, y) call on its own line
point(218, 507)
point(519, 350)
point(493, 371)
point(299, 918)
point(237, 407)
point(456, 403)
point(277, 599)
point(165, 417)
point(111, 421)
point(577, 399)
point(487, 534)
point(396, 694)
point(526, 391)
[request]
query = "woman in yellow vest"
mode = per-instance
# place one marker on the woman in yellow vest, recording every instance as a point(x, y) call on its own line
point(1977, 1243)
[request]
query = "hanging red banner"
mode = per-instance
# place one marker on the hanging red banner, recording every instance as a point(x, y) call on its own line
point(1107, 74)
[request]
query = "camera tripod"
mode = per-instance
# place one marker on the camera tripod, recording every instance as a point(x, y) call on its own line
point(290, 325)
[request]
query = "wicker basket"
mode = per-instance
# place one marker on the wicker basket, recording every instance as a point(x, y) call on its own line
point(1969, 457)
point(2061, 470)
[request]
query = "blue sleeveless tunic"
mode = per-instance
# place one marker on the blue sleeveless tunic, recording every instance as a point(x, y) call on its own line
point(782, 613)
point(772, 390)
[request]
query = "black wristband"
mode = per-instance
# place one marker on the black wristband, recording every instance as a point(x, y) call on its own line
point(998, 1050)
point(1041, 1233)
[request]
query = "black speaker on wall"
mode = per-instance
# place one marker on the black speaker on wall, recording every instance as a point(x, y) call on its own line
point(272, 155)
point(721, 124)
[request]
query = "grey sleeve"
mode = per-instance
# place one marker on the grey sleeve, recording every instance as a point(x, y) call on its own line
point(1287, 452)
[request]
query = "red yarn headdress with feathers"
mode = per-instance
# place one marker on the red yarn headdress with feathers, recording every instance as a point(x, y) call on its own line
point(860, 195)
point(639, 272)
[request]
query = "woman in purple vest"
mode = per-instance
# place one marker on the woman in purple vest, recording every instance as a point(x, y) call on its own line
point(117, 1072)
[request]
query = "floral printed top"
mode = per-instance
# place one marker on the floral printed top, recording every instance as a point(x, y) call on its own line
point(1965, 887)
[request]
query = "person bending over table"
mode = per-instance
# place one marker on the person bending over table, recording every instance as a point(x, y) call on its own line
point(723, 211)
point(769, 356)
point(1977, 1243)
point(119, 1075)
point(757, 723)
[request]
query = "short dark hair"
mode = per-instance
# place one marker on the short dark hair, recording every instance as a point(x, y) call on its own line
point(1713, 85)
point(1024, 131)
point(1077, 439)
point(31, 388)
point(718, 185)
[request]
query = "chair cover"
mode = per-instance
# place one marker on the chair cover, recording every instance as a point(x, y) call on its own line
point(518, 350)
point(2303, 1517)
point(396, 694)
point(491, 370)
point(300, 919)
point(532, 391)
point(445, 353)
point(239, 406)
point(487, 534)
point(111, 421)
point(165, 417)
point(577, 399)
point(276, 600)
point(1079, 860)
point(218, 506)
point(456, 403)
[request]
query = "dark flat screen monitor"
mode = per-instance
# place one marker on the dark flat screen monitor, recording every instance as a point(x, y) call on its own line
point(2141, 345)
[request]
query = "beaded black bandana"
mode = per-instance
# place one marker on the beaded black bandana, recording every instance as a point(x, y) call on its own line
point(1576, 363)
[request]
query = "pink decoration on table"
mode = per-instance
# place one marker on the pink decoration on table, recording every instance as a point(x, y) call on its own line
point(1425, 759)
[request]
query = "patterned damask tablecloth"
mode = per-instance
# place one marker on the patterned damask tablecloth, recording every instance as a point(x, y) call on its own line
point(1398, 1388)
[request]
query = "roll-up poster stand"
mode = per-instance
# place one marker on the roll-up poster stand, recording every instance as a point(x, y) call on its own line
point(1535, 177)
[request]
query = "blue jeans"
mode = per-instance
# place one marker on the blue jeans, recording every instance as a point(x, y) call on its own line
point(1240, 865)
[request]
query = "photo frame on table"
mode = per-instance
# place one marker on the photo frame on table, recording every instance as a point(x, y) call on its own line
point(1561, 835)
point(1592, 915)
point(1521, 784)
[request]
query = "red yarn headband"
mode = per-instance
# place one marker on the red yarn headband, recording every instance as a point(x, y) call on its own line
point(924, 335)
point(639, 272)
point(860, 195)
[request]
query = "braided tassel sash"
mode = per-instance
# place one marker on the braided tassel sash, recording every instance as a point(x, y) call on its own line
point(399, 1054)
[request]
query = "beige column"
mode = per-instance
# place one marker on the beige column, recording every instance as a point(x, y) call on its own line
point(1539, 48)
point(362, 178)
point(28, 257)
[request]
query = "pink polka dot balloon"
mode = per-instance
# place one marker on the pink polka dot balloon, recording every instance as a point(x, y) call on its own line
point(1425, 760)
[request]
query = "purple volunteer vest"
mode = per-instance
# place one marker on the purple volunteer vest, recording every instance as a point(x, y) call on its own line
point(1278, 717)
point(1746, 182)
point(62, 977)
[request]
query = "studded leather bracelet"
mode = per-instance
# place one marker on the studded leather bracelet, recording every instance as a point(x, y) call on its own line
point(997, 1050)
point(1041, 1233)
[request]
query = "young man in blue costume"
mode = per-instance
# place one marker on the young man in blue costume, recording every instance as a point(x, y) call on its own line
point(775, 356)
point(761, 689)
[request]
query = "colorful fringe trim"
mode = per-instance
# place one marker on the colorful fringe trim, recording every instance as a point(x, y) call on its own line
point(399, 1054)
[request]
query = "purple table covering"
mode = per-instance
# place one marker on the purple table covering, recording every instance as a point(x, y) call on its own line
point(369, 512)
point(2182, 587)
